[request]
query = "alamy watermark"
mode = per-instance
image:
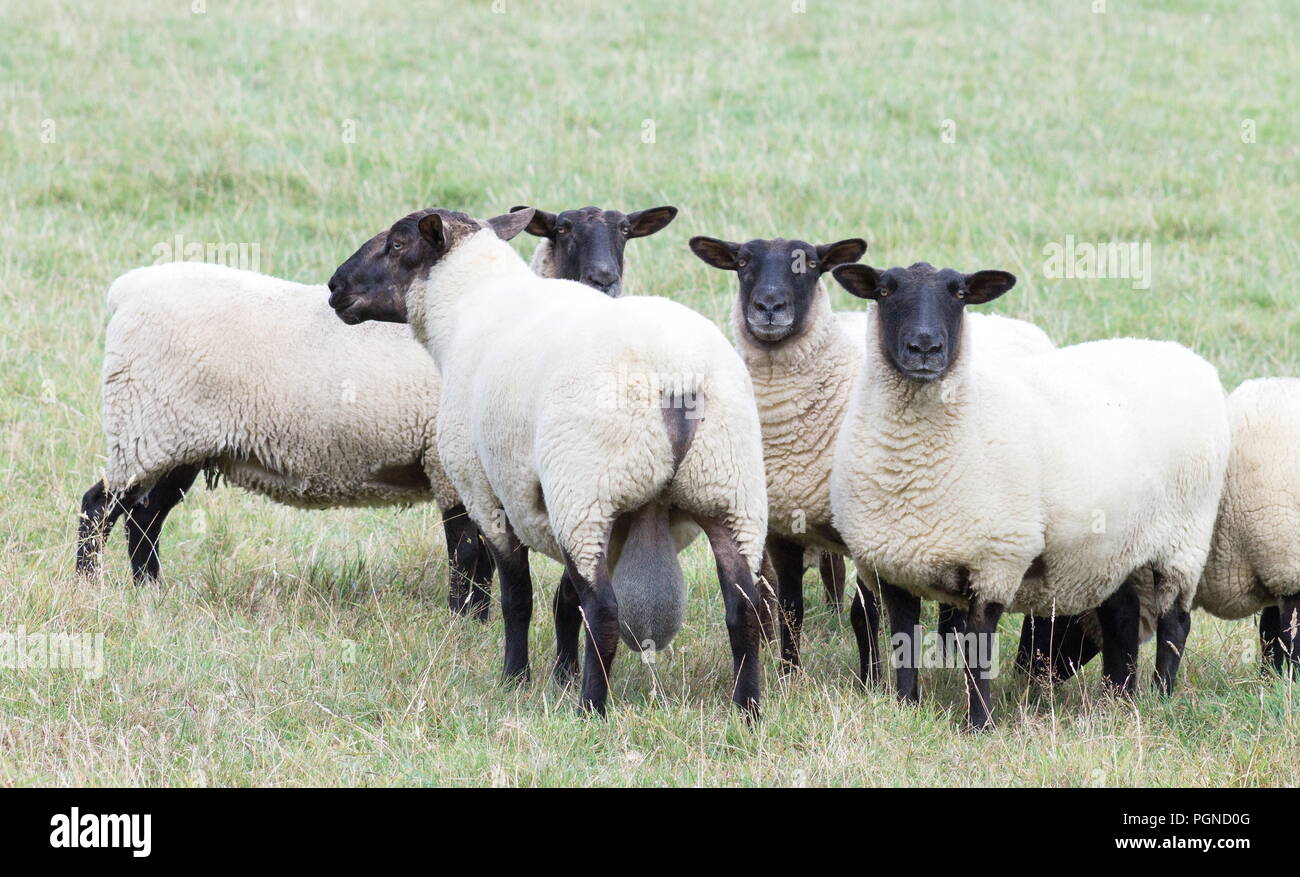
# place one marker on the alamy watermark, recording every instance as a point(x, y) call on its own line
point(927, 650)
point(1126, 260)
point(243, 255)
point(632, 389)
point(20, 650)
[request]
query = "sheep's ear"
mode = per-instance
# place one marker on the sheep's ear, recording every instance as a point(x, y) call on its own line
point(542, 224)
point(719, 254)
point(984, 286)
point(840, 253)
point(433, 231)
point(860, 280)
point(647, 222)
point(507, 225)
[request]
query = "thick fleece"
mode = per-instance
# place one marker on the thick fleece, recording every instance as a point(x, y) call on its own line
point(578, 397)
point(1255, 556)
point(256, 377)
point(802, 388)
point(1095, 460)
point(543, 261)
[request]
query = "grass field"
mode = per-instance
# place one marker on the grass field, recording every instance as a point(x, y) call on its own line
point(287, 647)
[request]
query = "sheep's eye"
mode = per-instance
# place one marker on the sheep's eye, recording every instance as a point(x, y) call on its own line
point(626, 230)
point(561, 229)
point(396, 246)
point(812, 263)
point(884, 292)
point(741, 263)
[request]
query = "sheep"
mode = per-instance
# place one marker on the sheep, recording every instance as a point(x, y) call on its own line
point(1254, 561)
point(1037, 484)
point(166, 422)
point(803, 358)
point(187, 389)
point(576, 426)
point(587, 244)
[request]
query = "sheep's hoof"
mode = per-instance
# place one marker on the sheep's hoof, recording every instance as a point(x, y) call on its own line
point(516, 678)
point(749, 710)
point(565, 672)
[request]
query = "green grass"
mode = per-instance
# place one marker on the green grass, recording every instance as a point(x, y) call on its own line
point(286, 647)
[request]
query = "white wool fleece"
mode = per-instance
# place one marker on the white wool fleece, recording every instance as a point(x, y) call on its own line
point(1099, 459)
point(802, 388)
point(1255, 556)
point(257, 376)
point(548, 411)
point(543, 261)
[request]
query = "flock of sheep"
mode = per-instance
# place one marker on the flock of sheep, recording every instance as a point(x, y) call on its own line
point(1103, 489)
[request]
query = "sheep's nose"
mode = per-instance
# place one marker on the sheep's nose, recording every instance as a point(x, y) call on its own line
point(601, 278)
point(770, 306)
point(924, 343)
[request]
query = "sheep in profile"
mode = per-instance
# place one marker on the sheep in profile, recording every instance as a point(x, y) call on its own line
point(209, 368)
point(570, 421)
point(803, 359)
point(1037, 484)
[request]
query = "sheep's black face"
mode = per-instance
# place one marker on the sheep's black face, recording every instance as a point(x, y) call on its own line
point(587, 244)
point(373, 283)
point(919, 311)
point(778, 279)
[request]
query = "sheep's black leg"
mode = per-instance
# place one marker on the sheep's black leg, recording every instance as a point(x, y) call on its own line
point(470, 565)
point(904, 610)
point(1054, 649)
point(833, 578)
point(568, 624)
point(516, 605)
point(865, 617)
point(787, 560)
point(1171, 639)
point(1119, 616)
point(100, 509)
point(600, 617)
point(1289, 635)
point(978, 652)
point(144, 520)
point(740, 598)
point(1270, 635)
point(952, 624)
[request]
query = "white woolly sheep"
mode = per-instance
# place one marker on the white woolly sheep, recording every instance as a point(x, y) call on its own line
point(1037, 484)
point(1254, 561)
point(803, 358)
point(197, 376)
point(568, 420)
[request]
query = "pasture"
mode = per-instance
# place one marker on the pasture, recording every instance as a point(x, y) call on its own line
point(285, 647)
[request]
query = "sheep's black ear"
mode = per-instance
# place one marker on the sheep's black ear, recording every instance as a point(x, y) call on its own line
point(719, 254)
point(432, 230)
point(840, 253)
point(983, 286)
point(860, 280)
point(542, 224)
point(648, 221)
point(507, 225)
